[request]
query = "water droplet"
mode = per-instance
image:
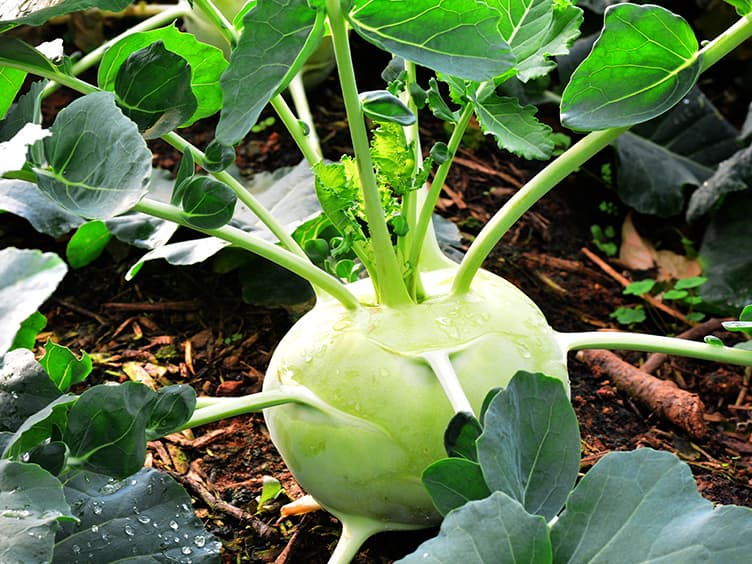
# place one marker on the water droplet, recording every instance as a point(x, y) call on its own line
point(95, 528)
point(199, 541)
point(76, 549)
point(143, 519)
point(129, 530)
point(97, 508)
point(186, 550)
point(174, 526)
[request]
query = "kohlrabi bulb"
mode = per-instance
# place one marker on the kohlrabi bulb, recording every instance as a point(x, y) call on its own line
point(383, 412)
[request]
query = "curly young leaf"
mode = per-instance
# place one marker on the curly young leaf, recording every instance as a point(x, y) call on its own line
point(207, 64)
point(645, 504)
point(457, 37)
point(207, 203)
point(278, 36)
point(645, 61)
point(32, 505)
point(174, 406)
point(62, 366)
point(383, 106)
point(84, 174)
point(37, 12)
point(153, 88)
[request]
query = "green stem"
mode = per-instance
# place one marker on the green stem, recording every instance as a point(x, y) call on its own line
point(616, 340)
point(426, 212)
point(300, 101)
point(447, 377)
point(284, 258)
point(524, 199)
point(355, 531)
point(729, 40)
point(389, 285)
point(219, 20)
point(216, 409)
point(311, 151)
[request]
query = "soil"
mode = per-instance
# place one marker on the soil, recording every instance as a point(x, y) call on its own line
point(187, 325)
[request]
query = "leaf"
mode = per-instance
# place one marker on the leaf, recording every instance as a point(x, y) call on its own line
point(26, 336)
point(38, 429)
point(207, 63)
point(452, 482)
point(732, 175)
point(11, 81)
point(31, 506)
point(62, 366)
point(514, 127)
point(153, 88)
point(659, 158)
point(182, 253)
point(659, 516)
point(537, 30)
point(84, 174)
point(37, 12)
point(27, 200)
point(173, 408)
point(146, 517)
point(495, 529)
point(207, 203)
point(728, 289)
point(530, 446)
point(27, 109)
point(87, 243)
point(278, 36)
point(471, 47)
point(25, 388)
point(14, 151)
point(27, 279)
point(14, 51)
point(743, 7)
point(383, 106)
point(264, 283)
point(643, 63)
point(460, 436)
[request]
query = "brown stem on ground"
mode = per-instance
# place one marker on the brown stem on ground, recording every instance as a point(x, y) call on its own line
point(655, 360)
point(682, 408)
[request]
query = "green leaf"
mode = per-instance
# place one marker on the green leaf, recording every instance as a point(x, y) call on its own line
point(278, 36)
point(62, 366)
point(452, 482)
point(25, 389)
point(185, 172)
point(639, 287)
point(27, 279)
point(14, 51)
point(145, 518)
point(11, 81)
point(37, 12)
point(207, 63)
point(26, 336)
point(438, 106)
point(31, 507)
point(84, 174)
point(207, 203)
point(645, 504)
point(27, 109)
point(460, 436)
point(107, 428)
point(495, 529)
point(470, 48)
point(87, 244)
point(643, 63)
point(153, 88)
point(383, 106)
point(264, 283)
point(743, 7)
point(530, 446)
point(38, 428)
point(732, 175)
point(514, 127)
point(174, 406)
point(183, 253)
point(537, 30)
point(218, 157)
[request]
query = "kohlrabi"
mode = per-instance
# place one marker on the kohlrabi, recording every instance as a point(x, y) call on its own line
point(359, 392)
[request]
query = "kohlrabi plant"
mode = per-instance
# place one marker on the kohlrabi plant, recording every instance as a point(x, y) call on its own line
point(358, 394)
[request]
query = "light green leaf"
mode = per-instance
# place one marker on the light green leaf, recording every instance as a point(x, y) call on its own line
point(62, 366)
point(206, 61)
point(36, 12)
point(643, 506)
point(27, 279)
point(514, 127)
point(153, 88)
point(11, 81)
point(645, 61)
point(457, 37)
point(495, 529)
point(84, 175)
point(87, 243)
point(278, 36)
point(26, 336)
point(743, 7)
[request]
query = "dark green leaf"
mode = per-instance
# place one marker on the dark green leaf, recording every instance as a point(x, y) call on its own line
point(383, 106)
point(153, 88)
point(207, 203)
point(487, 401)
point(26, 336)
point(174, 406)
point(25, 389)
point(26, 200)
point(39, 427)
point(218, 156)
point(27, 279)
point(644, 62)
point(37, 12)
point(437, 104)
point(452, 482)
point(31, 507)
point(87, 244)
point(278, 36)
point(15, 51)
point(50, 456)
point(267, 284)
point(440, 152)
point(85, 175)
point(145, 518)
point(62, 366)
point(186, 170)
point(495, 529)
point(27, 109)
point(471, 47)
point(107, 428)
point(183, 253)
point(732, 175)
point(514, 127)
point(645, 504)
point(530, 446)
point(207, 64)
point(460, 436)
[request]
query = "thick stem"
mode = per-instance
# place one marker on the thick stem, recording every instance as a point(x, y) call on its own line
point(355, 531)
point(219, 20)
point(525, 198)
point(616, 340)
point(447, 377)
point(284, 258)
point(216, 409)
point(389, 285)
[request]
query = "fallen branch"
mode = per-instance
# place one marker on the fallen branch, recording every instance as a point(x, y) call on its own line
point(663, 397)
